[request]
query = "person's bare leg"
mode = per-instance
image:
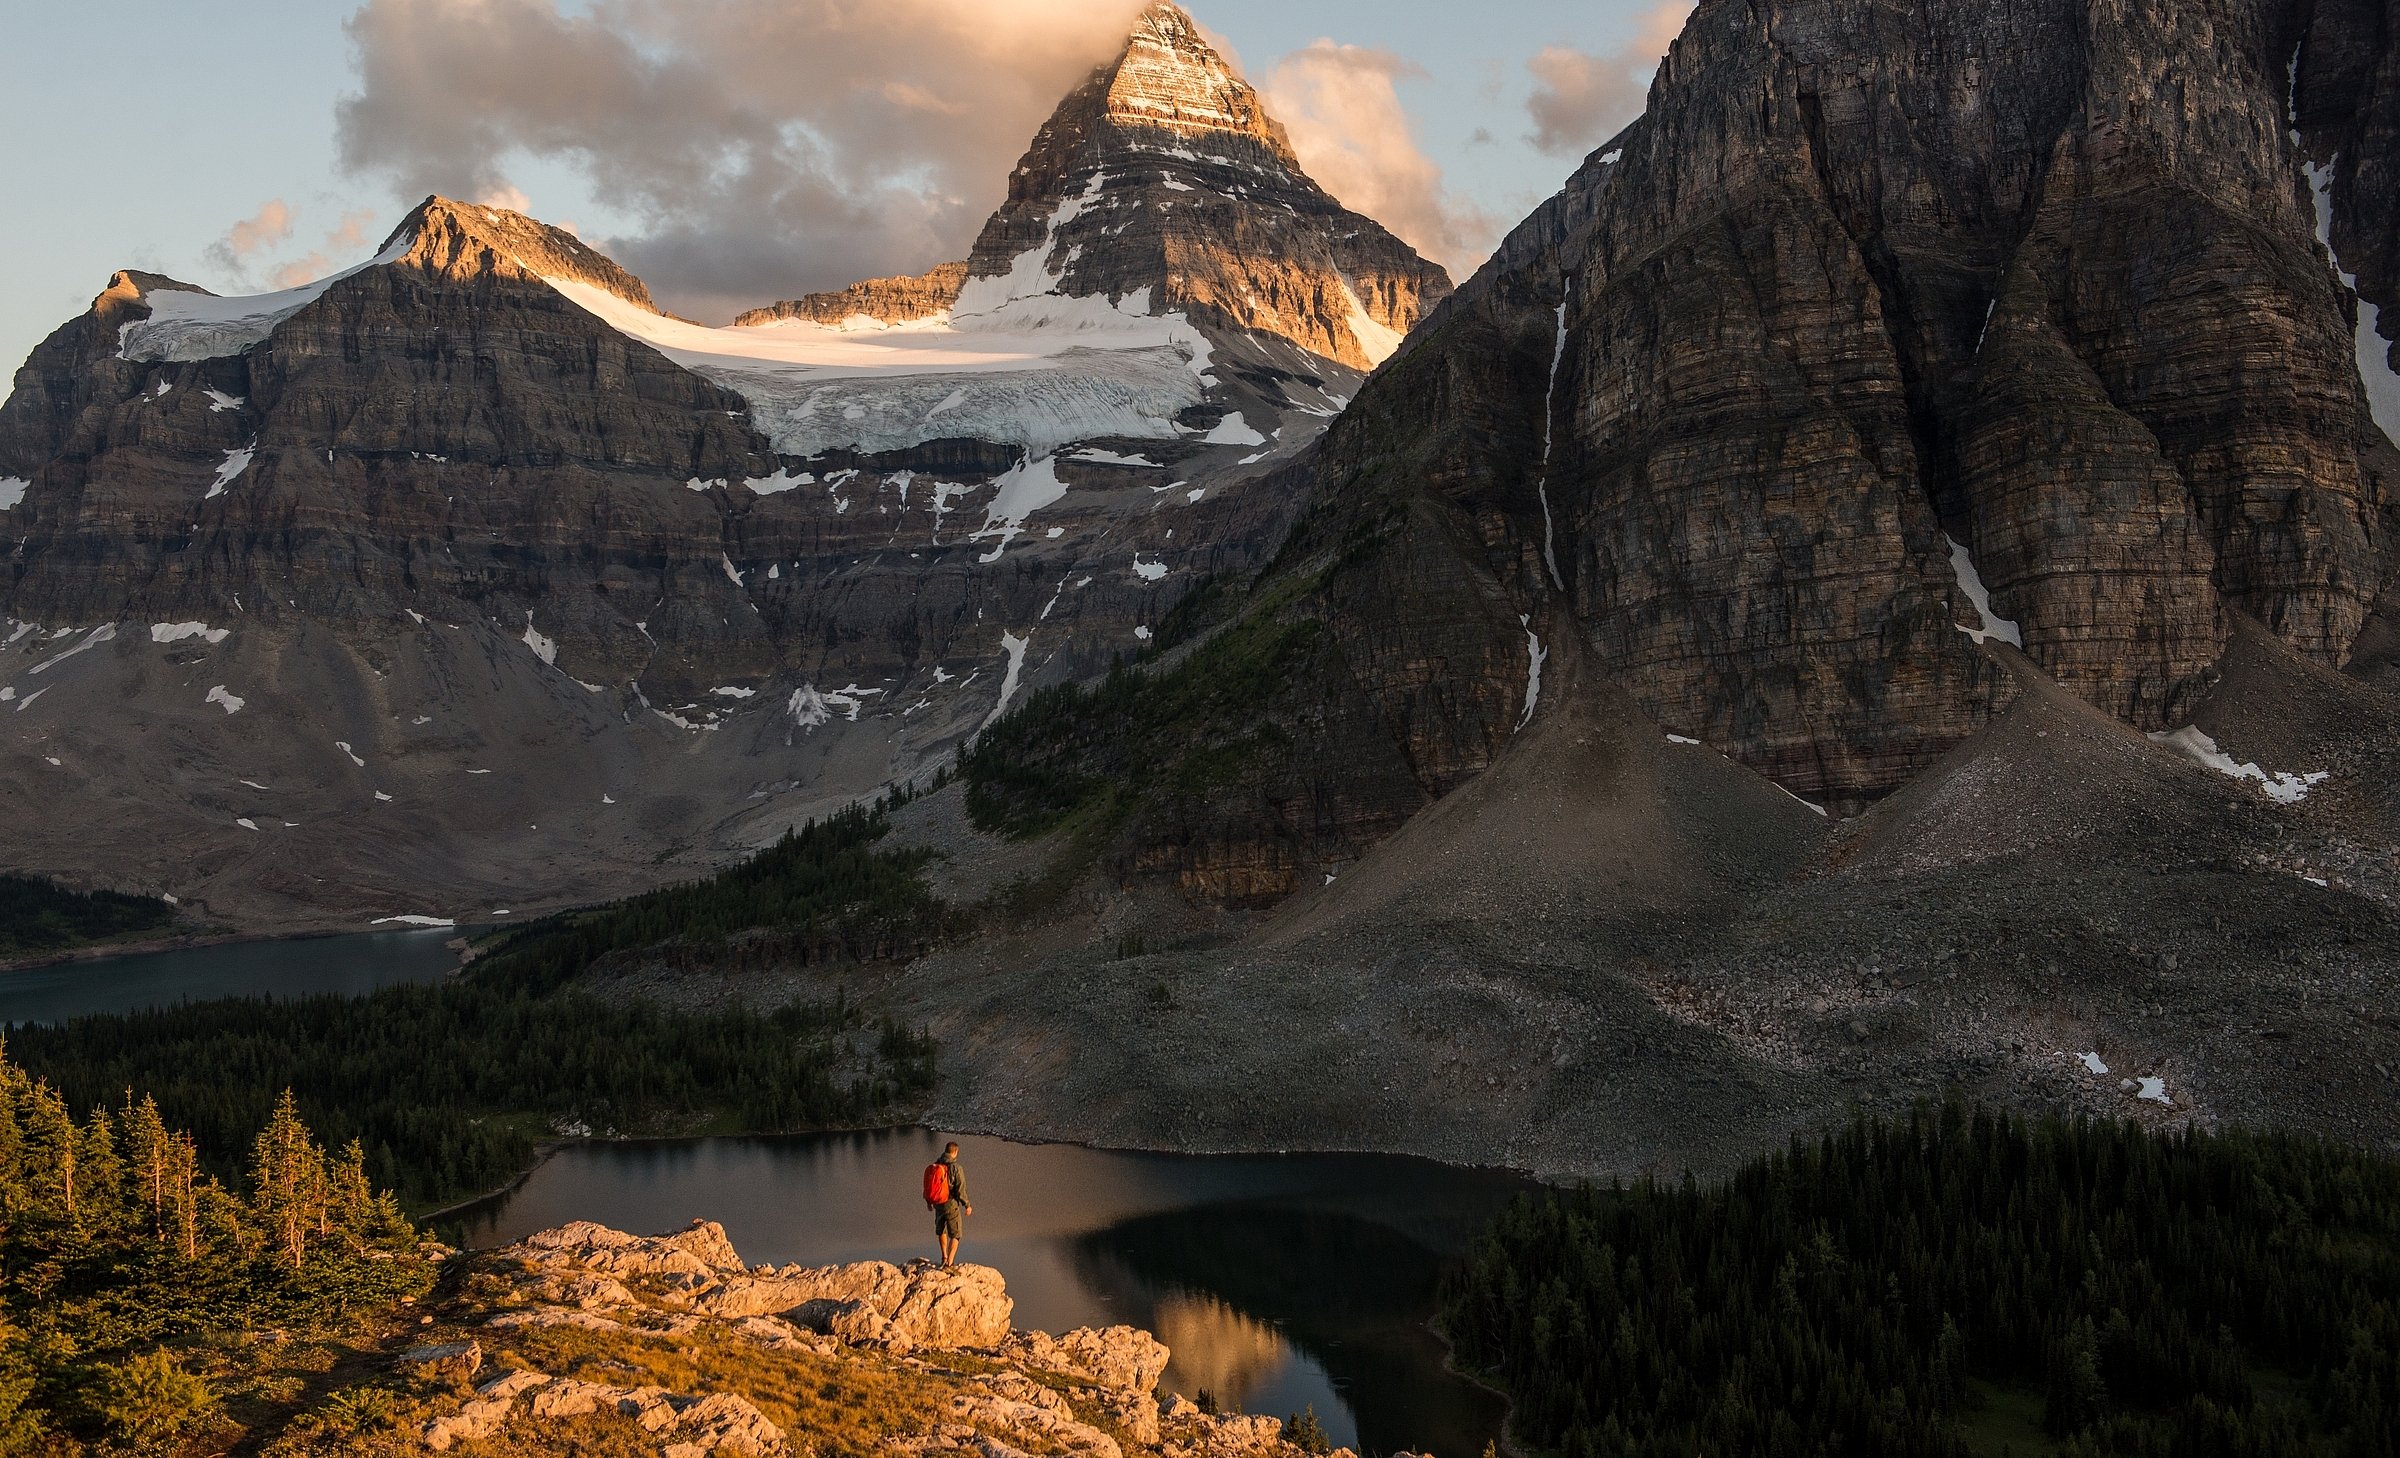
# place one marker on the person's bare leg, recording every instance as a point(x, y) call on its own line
point(949, 1250)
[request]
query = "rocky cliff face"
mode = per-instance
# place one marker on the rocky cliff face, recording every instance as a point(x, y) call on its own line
point(477, 506)
point(881, 300)
point(1887, 341)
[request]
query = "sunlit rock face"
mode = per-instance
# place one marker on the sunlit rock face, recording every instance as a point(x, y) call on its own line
point(927, 295)
point(478, 506)
point(1163, 172)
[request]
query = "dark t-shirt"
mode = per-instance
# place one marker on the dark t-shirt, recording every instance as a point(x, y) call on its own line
point(958, 1181)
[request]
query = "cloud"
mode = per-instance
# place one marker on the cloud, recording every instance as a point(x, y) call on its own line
point(350, 235)
point(270, 226)
point(1580, 100)
point(1341, 104)
point(305, 270)
point(750, 149)
point(343, 245)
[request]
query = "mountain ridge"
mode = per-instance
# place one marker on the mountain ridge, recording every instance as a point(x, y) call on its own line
point(477, 505)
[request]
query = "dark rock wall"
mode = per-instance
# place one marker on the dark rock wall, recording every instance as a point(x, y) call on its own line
point(2040, 277)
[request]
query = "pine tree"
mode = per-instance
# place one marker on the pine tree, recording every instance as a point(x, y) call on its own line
point(52, 1146)
point(2076, 1393)
point(287, 1181)
point(184, 1195)
point(149, 1155)
point(101, 1172)
point(350, 1204)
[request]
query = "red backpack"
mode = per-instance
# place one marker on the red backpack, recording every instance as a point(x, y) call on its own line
point(937, 1184)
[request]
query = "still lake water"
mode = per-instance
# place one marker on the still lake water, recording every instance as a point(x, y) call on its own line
point(299, 967)
point(1278, 1282)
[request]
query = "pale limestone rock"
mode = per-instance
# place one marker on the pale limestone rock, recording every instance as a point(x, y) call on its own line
point(1119, 1357)
point(453, 1361)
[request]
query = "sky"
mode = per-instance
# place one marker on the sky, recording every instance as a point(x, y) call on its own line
point(731, 152)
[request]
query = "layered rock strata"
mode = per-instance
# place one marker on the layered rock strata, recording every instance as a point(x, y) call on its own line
point(927, 295)
point(1885, 341)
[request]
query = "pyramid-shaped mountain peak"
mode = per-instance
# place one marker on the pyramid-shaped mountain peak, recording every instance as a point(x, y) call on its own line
point(1170, 76)
point(1163, 185)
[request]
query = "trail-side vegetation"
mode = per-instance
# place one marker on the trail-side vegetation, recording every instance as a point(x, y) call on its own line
point(39, 916)
point(1917, 1288)
point(128, 1273)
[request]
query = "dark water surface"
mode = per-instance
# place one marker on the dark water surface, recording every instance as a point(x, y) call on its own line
point(1279, 1282)
point(298, 967)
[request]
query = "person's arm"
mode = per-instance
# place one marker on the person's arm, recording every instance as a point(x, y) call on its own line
point(958, 1188)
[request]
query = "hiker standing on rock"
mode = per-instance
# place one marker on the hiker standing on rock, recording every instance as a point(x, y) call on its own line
point(946, 1196)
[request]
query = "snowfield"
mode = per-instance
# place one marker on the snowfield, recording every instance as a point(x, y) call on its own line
point(1015, 361)
point(189, 325)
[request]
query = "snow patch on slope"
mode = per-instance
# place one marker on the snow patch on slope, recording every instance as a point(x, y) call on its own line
point(2374, 354)
point(1558, 358)
point(187, 325)
point(1378, 342)
point(106, 632)
point(1234, 430)
point(1970, 582)
point(1026, 489)
point(235, 462)
point(544, 648)
point(177, 632)
point(2281, 786)
point(1016, 647)
point(1536, 656)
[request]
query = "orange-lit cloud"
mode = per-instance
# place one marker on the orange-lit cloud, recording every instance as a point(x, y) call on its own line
point(1341, 104)
point(261, 232)
point(1580, 100)
point(757, 148)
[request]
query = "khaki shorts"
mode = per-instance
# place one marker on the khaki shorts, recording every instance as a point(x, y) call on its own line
point(949, 1220)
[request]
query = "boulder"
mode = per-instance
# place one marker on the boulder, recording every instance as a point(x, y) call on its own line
point(510, 1385)
point(722, 1421)
point(1050, 1430)
point(1121, 1358)
point(698, 1255)
point(453, 1362)
point(473, 1423)
point(581, 1290)
point(962, 1308)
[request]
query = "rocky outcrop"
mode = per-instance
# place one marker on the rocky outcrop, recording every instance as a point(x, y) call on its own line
point(1087, 1394)
point(586, 1267)
point(882, 300)
point(1164, 176)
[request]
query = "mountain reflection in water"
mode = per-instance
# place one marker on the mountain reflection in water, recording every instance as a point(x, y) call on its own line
point(1278, 1282)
